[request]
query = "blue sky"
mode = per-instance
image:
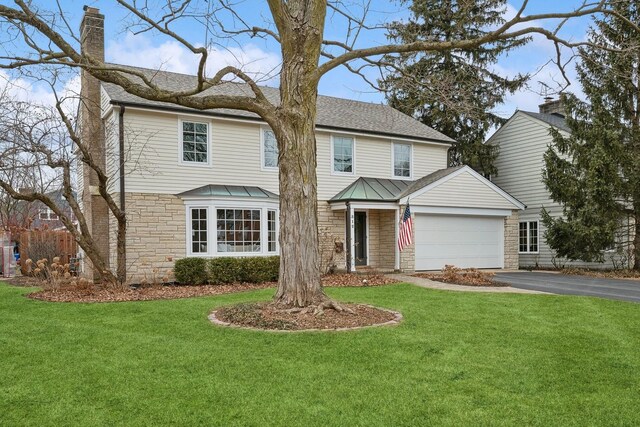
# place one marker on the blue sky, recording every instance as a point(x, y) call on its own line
point(262, 57)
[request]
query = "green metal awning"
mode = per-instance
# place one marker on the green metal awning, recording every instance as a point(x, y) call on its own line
point(235, 191)
point(372, 189)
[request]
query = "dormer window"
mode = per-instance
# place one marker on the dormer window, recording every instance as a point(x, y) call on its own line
point(194, 142)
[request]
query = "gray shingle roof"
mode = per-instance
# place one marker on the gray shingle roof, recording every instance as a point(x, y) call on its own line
point(387, 190)
point(554, 120)
point(215, 190)
point(333, 113)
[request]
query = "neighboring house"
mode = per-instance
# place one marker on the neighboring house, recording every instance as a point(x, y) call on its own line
point(206, 182)
point(522, 142)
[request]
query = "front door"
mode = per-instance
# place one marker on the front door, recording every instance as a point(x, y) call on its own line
point(360, 237)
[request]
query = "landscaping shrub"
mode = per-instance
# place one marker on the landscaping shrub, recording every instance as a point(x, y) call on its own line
point(191, 271)
point(198, 271)
point(246, 269)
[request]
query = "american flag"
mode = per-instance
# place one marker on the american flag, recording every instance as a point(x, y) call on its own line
point(406, 225)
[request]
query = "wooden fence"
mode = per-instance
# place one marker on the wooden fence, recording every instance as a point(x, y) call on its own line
point(37, 244)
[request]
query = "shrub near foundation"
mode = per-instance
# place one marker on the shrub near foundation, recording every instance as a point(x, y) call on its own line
point(200, 271)
point(244, 269)
point(191, 271)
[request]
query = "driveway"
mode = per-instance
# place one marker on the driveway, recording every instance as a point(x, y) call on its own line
point(618, 289)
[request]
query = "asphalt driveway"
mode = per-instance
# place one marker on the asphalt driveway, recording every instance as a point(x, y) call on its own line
point(618, 289)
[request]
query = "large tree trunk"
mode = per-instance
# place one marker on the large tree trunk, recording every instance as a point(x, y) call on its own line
point(301, 29)
point(636, 239)
point(299, 282)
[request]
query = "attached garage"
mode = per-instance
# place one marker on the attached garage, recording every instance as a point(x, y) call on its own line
point(459, 218)
point(460, 240)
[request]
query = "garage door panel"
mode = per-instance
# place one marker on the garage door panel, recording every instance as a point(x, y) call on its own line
point(464, 241)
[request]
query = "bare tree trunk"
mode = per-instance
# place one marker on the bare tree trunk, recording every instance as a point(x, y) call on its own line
point(301, 28)
point(299, 283)
point(121, 272)
point(636, 238)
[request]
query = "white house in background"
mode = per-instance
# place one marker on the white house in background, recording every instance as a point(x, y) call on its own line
point(522, 142)
point(206, 182)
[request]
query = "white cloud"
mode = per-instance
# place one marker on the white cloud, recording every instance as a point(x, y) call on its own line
point(139, 50)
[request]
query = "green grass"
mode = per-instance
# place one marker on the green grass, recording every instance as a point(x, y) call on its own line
point(457, 358)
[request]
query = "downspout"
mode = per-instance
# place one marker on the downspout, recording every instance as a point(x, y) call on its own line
point(121, 173)
point(347, 223)
point(121, 153)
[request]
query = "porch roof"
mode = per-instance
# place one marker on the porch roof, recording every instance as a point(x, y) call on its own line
point(372, 189)
point(217, 190)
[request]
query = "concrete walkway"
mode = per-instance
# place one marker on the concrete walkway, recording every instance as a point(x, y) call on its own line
point(432, 284)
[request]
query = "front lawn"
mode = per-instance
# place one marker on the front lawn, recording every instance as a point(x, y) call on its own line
point(457, 358)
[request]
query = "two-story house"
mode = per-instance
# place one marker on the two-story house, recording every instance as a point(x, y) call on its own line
point(522, 142)
point(205, 183)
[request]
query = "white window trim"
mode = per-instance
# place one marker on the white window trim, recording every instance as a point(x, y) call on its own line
point(529, 236)
point(181, 160)
point(353, 155)
point(212, 237)
point(263, 129)
point(393, 161)
point(189, 235)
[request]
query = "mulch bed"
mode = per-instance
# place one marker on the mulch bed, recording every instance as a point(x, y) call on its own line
point(438, 278)
point(271, 316)
point(607, 274)
point(162, 292)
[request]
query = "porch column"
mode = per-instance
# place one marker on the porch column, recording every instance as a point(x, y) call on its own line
point(396, 229)
point(351, 261)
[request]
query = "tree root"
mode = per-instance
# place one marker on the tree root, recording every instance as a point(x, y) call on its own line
point(318, 309)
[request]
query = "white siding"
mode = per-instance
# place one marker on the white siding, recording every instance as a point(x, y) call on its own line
point(235, 153)
point(522, 143)
point(112, 151)
point(464, 190)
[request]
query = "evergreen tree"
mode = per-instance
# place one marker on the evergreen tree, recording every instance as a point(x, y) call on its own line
point(595, 172)
point(453, 91)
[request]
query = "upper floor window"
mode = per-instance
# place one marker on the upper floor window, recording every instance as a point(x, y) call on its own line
point(195, 142)
point(342, 151)
point(269, 150)
point(402, 160)
point(528, 237)
point(46, 214)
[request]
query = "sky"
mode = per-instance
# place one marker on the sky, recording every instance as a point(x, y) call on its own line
point(261, 57)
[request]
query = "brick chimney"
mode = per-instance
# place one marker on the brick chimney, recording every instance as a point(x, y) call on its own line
point(551, 106)
point(92, 133)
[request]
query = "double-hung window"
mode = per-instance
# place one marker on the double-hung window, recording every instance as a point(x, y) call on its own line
point(269, 150)
point(401, 160)
point(199, 234)
point(342, 151)
point(528, 237)
point(194, 138)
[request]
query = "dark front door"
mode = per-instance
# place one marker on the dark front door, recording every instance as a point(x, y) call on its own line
point(360, 238)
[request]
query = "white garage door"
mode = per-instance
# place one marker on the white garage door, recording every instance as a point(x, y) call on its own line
point(463, 241)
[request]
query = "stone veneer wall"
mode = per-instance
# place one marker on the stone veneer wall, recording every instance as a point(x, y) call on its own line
point(511, 257)
point(387, 239)
point(408, 255)
point(155, 234)
point(331, 226)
